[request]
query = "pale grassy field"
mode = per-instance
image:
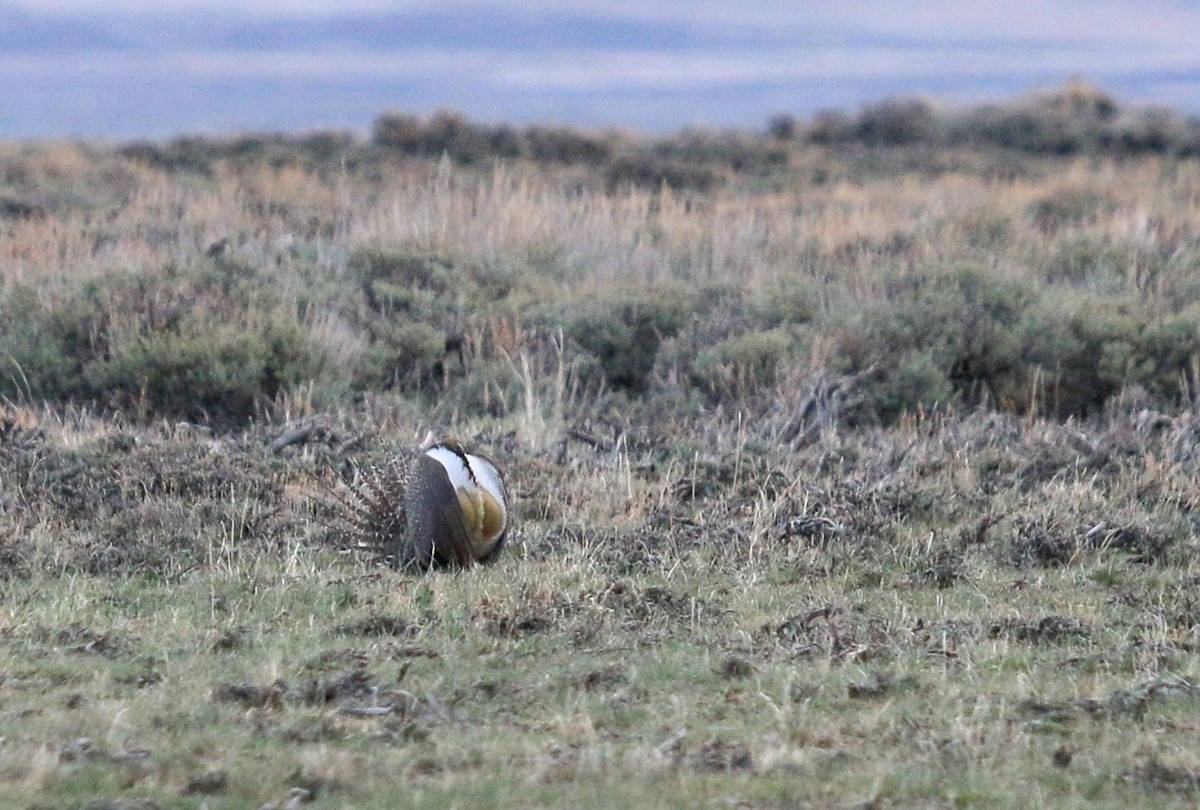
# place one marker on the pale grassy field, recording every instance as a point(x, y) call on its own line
point(705, 603)
point(878, 620)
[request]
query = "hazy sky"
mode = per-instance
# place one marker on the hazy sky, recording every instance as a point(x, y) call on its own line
point(130, 68)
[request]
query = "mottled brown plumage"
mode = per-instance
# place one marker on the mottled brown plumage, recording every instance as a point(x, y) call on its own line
point(444, 508)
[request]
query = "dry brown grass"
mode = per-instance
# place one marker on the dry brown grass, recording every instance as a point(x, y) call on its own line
point(947, 611)
point(761, 597)
point(845, 227)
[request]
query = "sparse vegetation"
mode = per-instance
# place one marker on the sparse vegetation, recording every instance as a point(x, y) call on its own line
point(854, 463)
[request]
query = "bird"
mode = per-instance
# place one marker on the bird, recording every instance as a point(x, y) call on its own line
point(442, 508)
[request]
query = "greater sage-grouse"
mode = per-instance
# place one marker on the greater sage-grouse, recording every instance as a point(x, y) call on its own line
point(444, 508)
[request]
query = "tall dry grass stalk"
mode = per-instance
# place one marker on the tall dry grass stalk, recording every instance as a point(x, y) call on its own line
point(548, 395)
point(573, 230)
point(844, 237)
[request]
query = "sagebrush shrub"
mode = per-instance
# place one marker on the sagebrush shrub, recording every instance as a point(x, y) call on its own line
point(1089, 261)
point(917, 383)
point(1068, 208)
point(203, 345)
point(219, 376)
point(896, 121)
point(743, 365)
point(956, 327)
point(45, 346)
point(787, 300)
point(1086, 348)
point(623, 327)
point(651, 173)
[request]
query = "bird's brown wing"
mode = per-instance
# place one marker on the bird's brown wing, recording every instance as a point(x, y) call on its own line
point(435, 525)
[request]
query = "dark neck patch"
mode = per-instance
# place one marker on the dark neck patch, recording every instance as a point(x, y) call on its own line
point(457, 449)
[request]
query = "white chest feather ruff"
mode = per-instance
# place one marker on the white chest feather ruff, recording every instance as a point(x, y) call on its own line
point(475, 479)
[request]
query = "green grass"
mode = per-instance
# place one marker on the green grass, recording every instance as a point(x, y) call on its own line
point(574, 710)
point(849, 475)
point(689, 652)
